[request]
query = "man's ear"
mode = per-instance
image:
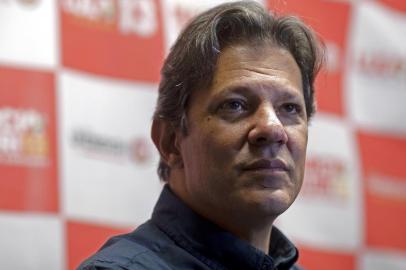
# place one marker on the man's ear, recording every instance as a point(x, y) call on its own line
point(166, 140)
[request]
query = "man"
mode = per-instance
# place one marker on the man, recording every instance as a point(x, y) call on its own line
point(234, 104)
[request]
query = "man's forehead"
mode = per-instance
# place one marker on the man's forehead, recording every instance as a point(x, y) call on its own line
point(242, 65)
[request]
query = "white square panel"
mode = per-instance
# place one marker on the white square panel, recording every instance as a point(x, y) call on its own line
point(108, 161)
point(31, 241)
point(28, 32)
point(383, 259)
point(376, 73)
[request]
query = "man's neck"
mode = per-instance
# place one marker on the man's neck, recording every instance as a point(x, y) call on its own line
point(254, 230)
point(257, 235)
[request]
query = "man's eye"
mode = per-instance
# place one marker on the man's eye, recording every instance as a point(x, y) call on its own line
point(292, 108)
point(233, 106)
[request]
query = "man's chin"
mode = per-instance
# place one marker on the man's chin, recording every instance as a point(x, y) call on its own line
point(273, 202)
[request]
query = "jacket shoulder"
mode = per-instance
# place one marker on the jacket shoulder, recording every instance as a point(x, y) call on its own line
point(124, 252)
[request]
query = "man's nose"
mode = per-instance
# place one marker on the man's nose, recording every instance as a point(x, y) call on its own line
point(267, 128)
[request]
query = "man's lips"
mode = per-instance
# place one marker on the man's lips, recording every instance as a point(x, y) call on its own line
point(270, 171)
point(266, 165)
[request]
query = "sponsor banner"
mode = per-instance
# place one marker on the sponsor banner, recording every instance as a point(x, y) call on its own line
point(382, 259)
point(329, 200)
point(119, 38)
point(377, 69)
point(321, 259)
point(332, 25)
point(85, 239)
point(32, 242)
point(28, 164)
point(109, 161)
point(28, 32)
point(177, 13)
point(383, 165)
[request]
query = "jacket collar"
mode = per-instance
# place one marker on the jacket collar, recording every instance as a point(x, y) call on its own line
point(215, 246)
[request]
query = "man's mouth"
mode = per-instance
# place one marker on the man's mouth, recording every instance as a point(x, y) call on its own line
point(271, 165)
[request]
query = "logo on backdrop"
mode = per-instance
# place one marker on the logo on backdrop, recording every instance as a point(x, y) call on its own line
point(23, 137)
point(126, 16)
point(387, 187)
point(334, 57)
point(25, 3)
point(382, 65)
point(182, 16)
point(99, 146)
point(326, 177)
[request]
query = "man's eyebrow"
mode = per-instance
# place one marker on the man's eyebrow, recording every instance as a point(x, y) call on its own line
point(283, 91)
point(289, 94)
point(236, 88)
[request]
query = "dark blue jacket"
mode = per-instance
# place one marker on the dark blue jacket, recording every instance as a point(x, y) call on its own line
point(178, 238)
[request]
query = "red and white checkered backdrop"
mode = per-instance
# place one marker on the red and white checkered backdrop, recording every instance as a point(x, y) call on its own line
point(78, 82)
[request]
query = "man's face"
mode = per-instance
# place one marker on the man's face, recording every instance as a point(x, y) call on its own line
point(247, 135)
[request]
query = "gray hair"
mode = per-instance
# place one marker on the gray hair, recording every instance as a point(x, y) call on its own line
point(192, 60)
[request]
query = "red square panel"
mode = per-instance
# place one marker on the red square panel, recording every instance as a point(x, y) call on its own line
point(330, 19)
point(317, 259)
point(115, 38)
point(28, 160)
point(85, 239)
point(395, 4)
point(384, 172)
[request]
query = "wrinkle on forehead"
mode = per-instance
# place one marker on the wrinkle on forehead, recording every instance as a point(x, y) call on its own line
point(264, 62)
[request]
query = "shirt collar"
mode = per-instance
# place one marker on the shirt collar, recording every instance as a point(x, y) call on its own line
point(213, 245)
